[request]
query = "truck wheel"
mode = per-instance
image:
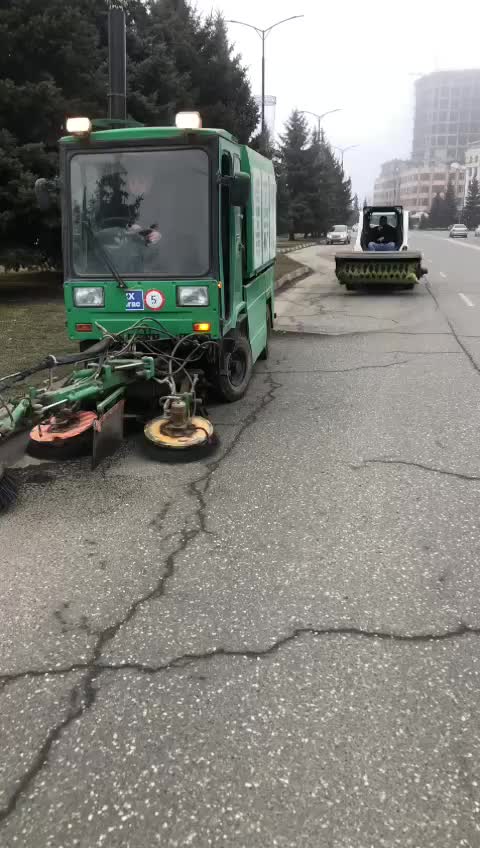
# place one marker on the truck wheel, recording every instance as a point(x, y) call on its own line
point(265, 351)
point(238, 370)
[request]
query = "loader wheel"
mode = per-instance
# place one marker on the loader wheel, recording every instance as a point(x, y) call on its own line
point(233, 384)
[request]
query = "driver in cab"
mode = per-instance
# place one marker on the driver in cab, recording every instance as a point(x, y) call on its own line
point(126, 208)
point(139, 188)
point(382, 237)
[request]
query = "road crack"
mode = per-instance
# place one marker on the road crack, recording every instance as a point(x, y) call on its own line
point(340, 370)
point(412, 464)
point(83, 695)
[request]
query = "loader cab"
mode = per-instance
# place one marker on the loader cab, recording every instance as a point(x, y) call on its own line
point(371, 220)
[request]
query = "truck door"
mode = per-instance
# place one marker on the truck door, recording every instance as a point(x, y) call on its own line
point(255, 293)
point(231, 240)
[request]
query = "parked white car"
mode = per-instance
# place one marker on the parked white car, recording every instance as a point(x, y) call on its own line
point(339, 234)
point(458, 231)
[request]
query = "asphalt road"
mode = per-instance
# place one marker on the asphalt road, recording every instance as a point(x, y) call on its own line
point(278, 647)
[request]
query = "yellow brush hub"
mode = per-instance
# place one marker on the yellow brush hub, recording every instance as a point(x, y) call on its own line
point(160, 432)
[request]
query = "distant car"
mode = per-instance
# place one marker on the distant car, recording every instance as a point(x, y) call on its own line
point(338, 235)
point(477, 232)
point(458, 231)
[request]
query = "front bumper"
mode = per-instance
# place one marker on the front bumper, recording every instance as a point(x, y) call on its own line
point(118, 318)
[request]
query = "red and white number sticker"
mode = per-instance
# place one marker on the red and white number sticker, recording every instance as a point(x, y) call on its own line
point(154, 299)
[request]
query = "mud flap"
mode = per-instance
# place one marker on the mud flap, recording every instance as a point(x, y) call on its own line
point(108, 433)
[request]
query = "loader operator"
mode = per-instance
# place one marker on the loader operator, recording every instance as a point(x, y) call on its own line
point(383, 237)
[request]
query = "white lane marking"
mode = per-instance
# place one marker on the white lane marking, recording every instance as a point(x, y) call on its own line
point(443, 275)
point(447, 240)
point(466, 299)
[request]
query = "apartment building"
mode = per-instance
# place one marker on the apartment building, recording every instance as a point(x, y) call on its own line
point(414, 187)
point(447, 116)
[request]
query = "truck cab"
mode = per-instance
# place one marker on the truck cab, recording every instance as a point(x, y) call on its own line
point(167, 232)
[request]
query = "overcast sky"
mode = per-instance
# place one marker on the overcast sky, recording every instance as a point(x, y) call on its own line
point(361, 57)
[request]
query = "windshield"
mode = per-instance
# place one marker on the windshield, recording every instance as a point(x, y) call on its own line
point(391, 218)
point(340, 228)
point(149, 211)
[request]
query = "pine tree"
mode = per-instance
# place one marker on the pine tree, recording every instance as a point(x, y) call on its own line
point(424, 222)
point(53, 63)
point(472, 205)
point(355, 211)
point(295, 171)
point(49, 68)
point(450, 211)
point(436, 215)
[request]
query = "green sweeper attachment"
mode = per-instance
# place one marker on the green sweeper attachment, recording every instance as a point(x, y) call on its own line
point(381, 256)
point(112, 382)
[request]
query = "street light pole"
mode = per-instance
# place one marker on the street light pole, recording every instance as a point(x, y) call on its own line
point(263, 85)
point(263, 35)
point(343, 150)
point(319, 117)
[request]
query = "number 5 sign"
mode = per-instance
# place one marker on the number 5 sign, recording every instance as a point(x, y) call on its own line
point(154, 299)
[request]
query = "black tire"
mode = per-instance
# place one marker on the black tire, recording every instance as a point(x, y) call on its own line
point(232, 385)
point(265, 352)
point(62, 451)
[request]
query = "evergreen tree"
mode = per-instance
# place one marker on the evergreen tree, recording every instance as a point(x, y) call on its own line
point(424, 222)
point(49, 68)
point(295, 176)
point(183, 62)
point(355, 211)
point(471, 214)
point(436, 216)
point(313, 192)
point(53, 63)
point(450, 211)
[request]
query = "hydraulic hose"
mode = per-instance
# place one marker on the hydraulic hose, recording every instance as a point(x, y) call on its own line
point(52, 361)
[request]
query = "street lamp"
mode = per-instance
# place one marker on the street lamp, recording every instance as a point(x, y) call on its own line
point(319, 117)
point(263, 34)
point(343, 150)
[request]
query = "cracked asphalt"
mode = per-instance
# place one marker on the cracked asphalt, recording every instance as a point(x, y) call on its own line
point(278, 646)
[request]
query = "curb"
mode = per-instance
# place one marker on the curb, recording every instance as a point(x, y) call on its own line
point(297, 247)
point(292, 277)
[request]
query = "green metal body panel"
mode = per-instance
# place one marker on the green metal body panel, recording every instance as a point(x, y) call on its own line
point(261, 225)
point(258, 294)
point(251, 248)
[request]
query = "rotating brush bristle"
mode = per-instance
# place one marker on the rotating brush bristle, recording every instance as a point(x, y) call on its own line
point(8, 490)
